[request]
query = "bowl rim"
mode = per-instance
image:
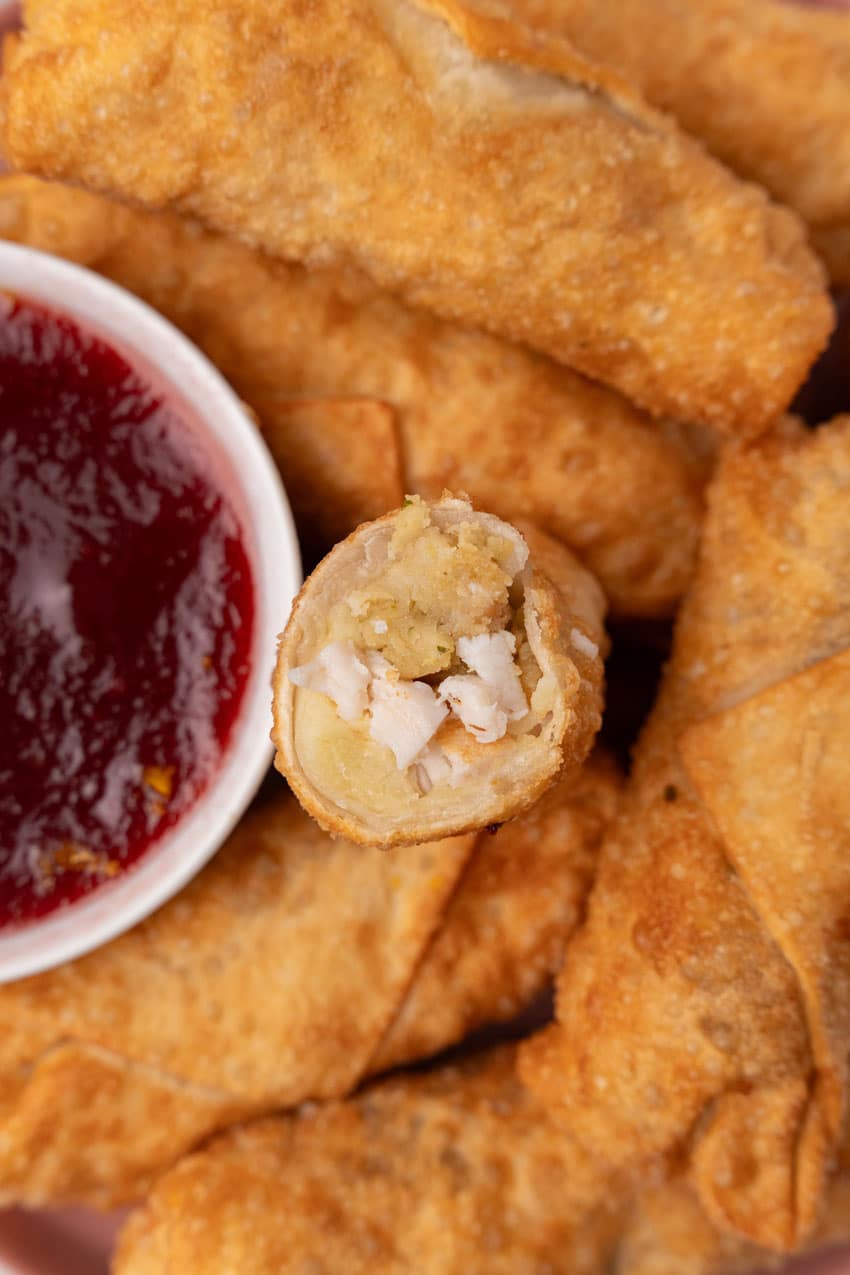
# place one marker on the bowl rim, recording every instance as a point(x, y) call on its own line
point(164, 354)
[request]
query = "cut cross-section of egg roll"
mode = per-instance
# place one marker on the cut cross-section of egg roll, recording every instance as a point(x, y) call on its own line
point(438, 671)
point(766, 85)
point(457, 1171)
point(362, 398)
point(482, 171)
point(290, 968)
point(706, 1005)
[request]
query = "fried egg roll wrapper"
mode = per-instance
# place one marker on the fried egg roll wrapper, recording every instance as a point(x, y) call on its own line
point(390, 400)
point(477, 169)
point(705, 1005)
point(669, 1234)
point(451, 1172)
point(505, 930)
point(380, 755)
point(765, 85)
point(289, 969)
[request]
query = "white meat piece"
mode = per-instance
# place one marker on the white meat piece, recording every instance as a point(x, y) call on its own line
point(491, 656)
point(583, 644)
point(475, 703)
point(405, 716)
point(445, 761)
point(439, 763)
point(432, 767)
point(338, 672)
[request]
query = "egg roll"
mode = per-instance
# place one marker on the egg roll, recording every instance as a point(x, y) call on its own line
point(505, 931)
point(445, 1173)
point(705, 1007)
point(289, 969)
point(479, 170)
point(438, 671)
point(765, 85)
point(361, 398)
point(668, 1234)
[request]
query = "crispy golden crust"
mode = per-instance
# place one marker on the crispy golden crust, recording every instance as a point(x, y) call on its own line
point(84, 1124)
point(669, 1234)
point(521, 435)
point(340, 461)
point(622, 492)
point(274, 978)
point(560, 599)
point(708, 993)
point(231, 993)
point(765, 85)
point(524, 889)
point(448, 1173)
point(772, 774)
point(492, 176)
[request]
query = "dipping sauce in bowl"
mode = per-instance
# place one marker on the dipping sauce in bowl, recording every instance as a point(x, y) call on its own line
point(126, 612)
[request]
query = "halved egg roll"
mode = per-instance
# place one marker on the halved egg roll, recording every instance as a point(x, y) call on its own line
point(706, 1005)
point(438, 671)
point(765, 85)
point(451, 1172)
point(361, 398)
point(484, 172)
point(289, 969)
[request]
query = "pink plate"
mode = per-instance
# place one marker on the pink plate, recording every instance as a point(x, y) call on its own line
point(56, 1241)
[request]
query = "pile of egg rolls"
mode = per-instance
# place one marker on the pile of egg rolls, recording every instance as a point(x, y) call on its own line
point(520, 295)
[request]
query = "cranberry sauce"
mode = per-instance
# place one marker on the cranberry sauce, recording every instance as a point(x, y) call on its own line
point(126, 613)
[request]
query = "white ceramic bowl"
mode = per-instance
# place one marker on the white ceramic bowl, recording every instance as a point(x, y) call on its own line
point(254, 487)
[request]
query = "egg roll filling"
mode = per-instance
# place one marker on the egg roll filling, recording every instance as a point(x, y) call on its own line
point(429, 660)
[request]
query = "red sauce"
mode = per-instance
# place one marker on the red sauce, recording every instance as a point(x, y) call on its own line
point(126, 613)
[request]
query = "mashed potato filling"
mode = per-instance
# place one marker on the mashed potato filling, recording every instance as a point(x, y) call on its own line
point(432, 651)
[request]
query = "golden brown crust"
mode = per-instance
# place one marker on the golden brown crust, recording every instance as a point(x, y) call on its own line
point(560, 600)
point(448, 1173)
point(669, 1234)
point(545, 204)
point(522, 441)
point(230, 999)
point(524, 888)
point(521, 435)
point(705, 1003)
point(772, 774)
point(274, 978)
point(765, 85)
point(340, 461)
point(85, 1124)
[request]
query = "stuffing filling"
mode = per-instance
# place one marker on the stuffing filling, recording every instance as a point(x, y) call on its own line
point(432, 654)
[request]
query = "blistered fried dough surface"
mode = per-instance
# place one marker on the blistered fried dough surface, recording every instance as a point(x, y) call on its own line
point(524, 889)
point(669, 1234)
point(231, 992)
point(272, 979)
point(456, 408)
point(454, 1172)
point(438, 671)
point(706, 1003)
point(765, 85)
point(340, 460)
point(490, 175)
